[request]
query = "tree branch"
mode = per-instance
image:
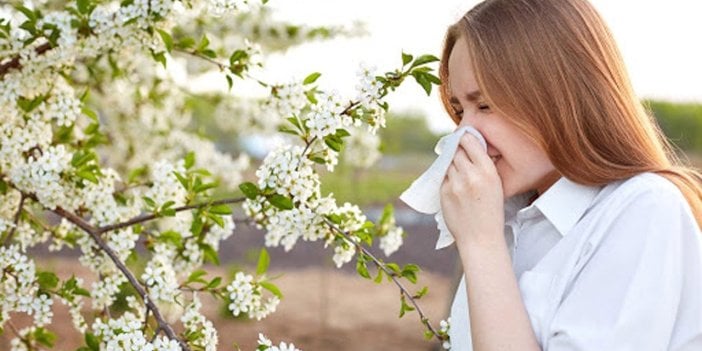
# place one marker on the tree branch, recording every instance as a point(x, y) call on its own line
point(17, 218)
point(14, 63)
point(95, 235)
point(148, 217)
point(378, 263)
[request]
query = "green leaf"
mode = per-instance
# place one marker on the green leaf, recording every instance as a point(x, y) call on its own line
point(421, 293)
point(92, 341)
point(189, 160)
point(90, 113)
point(88, 175)
point(167, 39)
point(406, 58)
point(160, 57)
point(172, 237)
point(183, 181)
point(410, 272)
point(149, 201)
point(198, 188)
point(31, 16)
point(83, 6)
point(186, 42)
point(311, 78)
point(196, 277)
point(217, 219)
point(197, 226)
point(204, 42)
point(379, 278)
point(44, 337)
point(214, 283)
point(264, 260)
point(281, 202)
point(428, 335)
point(362, 267)
point(272, 288)
point(250, 190)
point(404, 307)
point(333, 143)
point(342, 133)
point(209, 254)
point(424, 59)
point(237, 56)
point(47, 280)
point(221, 209)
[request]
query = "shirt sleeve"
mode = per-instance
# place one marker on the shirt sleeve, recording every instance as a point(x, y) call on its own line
point(640, 289)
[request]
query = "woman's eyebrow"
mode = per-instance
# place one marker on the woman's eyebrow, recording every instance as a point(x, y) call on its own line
point(472, 97)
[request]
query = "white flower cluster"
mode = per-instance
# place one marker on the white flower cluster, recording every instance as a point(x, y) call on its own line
point(352, 219)
point(391, 241)
point(223, 7)
point(17, 344)
point(61, 21)
point(326, 115)
point(246, 296)
point(166, 186)
point(61, 106)
point(289, 173)
point(289, 100)
point(265, 344)
point(43, 175)
point(104, 209)
point(18, 288)
point(444, 327)
point(222, 165)
point(126, 333)
point(369, 95)
point(361, 149)
point(159, 276)
point(195, 322)
point(103, 291)
point(243, 115)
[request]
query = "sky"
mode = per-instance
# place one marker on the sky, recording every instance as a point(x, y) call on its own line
point(661, 42)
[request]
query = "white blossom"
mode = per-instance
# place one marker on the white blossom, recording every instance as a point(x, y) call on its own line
point(246, 296)
point(265, 344)
point(391, 241)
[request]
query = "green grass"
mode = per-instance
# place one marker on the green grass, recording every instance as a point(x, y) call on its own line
point(375, 186)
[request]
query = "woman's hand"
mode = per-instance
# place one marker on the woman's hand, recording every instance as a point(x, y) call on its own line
point(472, 200)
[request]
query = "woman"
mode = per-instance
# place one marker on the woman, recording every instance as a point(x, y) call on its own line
point(599, 247)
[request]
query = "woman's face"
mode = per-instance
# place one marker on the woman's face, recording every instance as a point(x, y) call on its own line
point(521, 164)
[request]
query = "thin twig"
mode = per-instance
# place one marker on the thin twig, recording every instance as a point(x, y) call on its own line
point(15, 62)
point(148, 217)
point(424, 319)
point(17, 218)
point(95, 235)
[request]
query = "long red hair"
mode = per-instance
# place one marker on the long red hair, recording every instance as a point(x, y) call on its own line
point(553, 68)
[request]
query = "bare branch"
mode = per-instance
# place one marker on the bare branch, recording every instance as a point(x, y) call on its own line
point(424, 319)
point(95, 235)
point(17, 218)
point(148, 217)
point(15, 62)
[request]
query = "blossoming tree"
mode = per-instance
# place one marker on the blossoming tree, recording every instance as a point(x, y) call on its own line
point(98, 152)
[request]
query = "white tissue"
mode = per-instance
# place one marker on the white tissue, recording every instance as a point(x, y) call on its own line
point(424, 193)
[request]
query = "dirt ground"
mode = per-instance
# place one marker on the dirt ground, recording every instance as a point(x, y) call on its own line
point(322, 309)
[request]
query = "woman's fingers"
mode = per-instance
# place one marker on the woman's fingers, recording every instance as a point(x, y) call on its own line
point(474, 151)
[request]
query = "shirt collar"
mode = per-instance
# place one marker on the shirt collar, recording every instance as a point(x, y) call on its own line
point(565, 202)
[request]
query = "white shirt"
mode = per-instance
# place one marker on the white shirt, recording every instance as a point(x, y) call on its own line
point(603, 268)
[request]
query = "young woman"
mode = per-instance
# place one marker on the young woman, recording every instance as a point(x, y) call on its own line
point(579, 229)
